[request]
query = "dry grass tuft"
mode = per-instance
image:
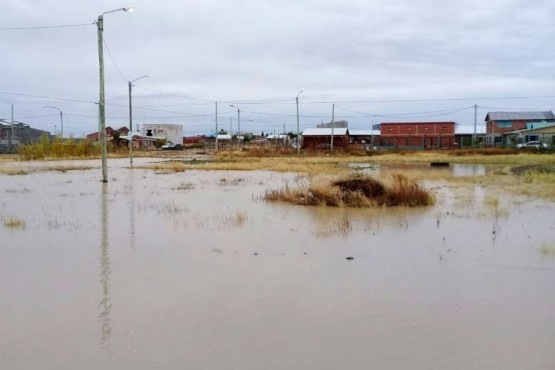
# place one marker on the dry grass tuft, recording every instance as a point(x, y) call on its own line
point(548, 251)
point(405, 192)
point(356, 192)
point(14, 223)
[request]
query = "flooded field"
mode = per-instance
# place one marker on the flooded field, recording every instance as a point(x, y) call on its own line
point(194, 270)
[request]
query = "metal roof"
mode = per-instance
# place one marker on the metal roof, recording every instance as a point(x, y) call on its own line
point(324, 131)
point(508, 116)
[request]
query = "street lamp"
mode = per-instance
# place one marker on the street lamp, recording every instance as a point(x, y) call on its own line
point(238, 117)
point(298, 139)
point(131, 118)
point(61, 118)
point(101, 107)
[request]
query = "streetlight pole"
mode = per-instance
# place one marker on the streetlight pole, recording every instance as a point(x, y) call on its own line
point(131, 119)
point(238, 117)
point(101, 105)
point(61, 119)
point(298, 139)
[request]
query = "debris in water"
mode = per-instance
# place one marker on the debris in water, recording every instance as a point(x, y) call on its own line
point(350, 258)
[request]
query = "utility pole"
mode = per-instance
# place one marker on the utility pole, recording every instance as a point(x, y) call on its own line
point(102, 112)
point(298, 135)
point(101, 107)
point(475, 115)
point(216, 126)
point(12, 136)
point(238, 117)
point(131, 118)
point(61, 119)
point(332, 118)
point(130, 134)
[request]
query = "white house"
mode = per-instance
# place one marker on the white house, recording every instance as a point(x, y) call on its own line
point(169, 132)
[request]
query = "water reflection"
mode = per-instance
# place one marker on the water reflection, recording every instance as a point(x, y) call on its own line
point(455, 169)
point(105, 304)
point(132, 206)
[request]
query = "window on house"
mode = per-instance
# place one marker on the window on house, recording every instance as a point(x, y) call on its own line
point(498, 139)
point(505, 124)
point(444, 127)
point(389, 129)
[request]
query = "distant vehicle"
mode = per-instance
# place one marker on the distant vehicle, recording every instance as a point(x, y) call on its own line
point(534, 145)
point(176, 147)
point(166, 146)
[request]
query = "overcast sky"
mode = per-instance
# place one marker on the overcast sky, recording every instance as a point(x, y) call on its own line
point(373, 58)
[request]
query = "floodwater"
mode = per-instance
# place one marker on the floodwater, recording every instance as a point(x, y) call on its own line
point(192, 270)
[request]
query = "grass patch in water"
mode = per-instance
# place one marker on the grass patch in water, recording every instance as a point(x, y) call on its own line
point(356, 192)
point(14, 223)
point(547, 251)
point(338, 228)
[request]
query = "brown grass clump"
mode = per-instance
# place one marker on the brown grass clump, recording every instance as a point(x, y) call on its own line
point(356, 192)
point(405, 192)
point(14, 223)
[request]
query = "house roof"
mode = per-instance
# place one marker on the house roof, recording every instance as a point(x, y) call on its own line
point(542, 128)
point(325, 131)
point(418, 123)
point(508, 116)
point(354, 132)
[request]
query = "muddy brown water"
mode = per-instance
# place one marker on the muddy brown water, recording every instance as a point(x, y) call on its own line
point(191, 270)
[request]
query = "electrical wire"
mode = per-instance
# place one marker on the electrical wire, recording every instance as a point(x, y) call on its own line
point(45, 27)
point(114, 62)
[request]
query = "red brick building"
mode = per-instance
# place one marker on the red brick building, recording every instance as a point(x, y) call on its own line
point(418, 135)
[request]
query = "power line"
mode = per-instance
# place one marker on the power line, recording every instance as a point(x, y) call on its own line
point(114, 62)
point(45, 27)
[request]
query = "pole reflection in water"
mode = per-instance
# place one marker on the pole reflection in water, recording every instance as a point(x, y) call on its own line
point(132, 208)
point(105, 304)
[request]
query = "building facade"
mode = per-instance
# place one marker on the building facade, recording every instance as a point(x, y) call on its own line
point(498, 123)
point(321, 138)
point(170, 133)
point(418, 135)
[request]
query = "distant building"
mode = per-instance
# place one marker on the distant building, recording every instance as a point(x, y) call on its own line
point(533, 132)
point(11, 136)
point(320, 138)
point(498, 123)
point(366, 138)
point(418, 135)
point(96, 136)
point(336, 124)
point(170, 133)
point(464, 135)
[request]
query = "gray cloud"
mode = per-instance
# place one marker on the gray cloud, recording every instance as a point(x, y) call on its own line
point(267, 50)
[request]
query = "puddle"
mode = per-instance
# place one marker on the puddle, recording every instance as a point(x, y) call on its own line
point(192, 269)
point(454, 169)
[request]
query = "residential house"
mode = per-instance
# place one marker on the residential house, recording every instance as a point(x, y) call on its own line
point(321, 138)
point(418, 135)
point(498, 123)
point(544, 132)
point(169, 132)
point(96, 136)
